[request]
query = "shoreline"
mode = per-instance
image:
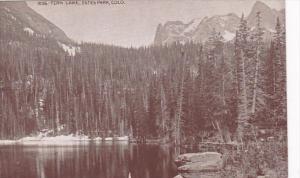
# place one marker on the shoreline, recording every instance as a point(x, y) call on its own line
point(63, 140)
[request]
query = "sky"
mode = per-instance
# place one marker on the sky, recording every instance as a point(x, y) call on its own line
point(134, 23)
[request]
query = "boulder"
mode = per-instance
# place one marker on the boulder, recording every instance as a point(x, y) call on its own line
point(205, 159)
point(204, 165)
point(201, 175)
point(269, 174)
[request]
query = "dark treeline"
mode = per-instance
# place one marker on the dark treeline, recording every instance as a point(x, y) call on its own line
point(176, 92)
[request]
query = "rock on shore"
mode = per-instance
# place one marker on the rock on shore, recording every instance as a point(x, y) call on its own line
point(204, 165)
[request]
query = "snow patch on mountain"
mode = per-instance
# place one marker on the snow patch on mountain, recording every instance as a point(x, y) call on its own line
point(28, 30)
point(224, 18)
point(7, 9)
point(192, 26)
point(271, 30)
point(175, 28)
point(228, 36)
point(12, 17)
point(71, 50)
point(8, 13)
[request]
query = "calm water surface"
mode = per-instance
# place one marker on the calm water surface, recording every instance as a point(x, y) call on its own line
point(87, 161)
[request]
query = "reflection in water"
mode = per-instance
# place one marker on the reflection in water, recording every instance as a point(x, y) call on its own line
point(87, 161)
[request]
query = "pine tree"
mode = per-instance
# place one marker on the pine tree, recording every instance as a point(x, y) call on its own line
point(187, 119)
point(153, 110)
point(257, 90)
point(240, 55)
point(280, 74)
point(179, 103)
point(199, 103)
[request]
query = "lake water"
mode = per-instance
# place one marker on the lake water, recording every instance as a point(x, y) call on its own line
point(87, 161)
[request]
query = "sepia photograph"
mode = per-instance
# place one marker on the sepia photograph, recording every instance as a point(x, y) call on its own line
point(143, 89)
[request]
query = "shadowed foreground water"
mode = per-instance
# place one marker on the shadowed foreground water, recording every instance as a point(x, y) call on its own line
point(87, 161)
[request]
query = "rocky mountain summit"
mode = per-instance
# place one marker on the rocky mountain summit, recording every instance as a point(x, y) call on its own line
point(22, 25)
point(20, 13)
point(198, 30)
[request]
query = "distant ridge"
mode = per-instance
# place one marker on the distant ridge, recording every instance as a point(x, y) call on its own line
point(198, 30)
point(32, 21)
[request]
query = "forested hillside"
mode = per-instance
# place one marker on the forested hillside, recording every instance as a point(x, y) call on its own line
point(180, 92)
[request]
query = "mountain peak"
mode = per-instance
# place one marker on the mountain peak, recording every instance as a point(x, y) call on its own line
point(198, 30)
point(260, 6)
point(268, 15)
point(29, 19)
